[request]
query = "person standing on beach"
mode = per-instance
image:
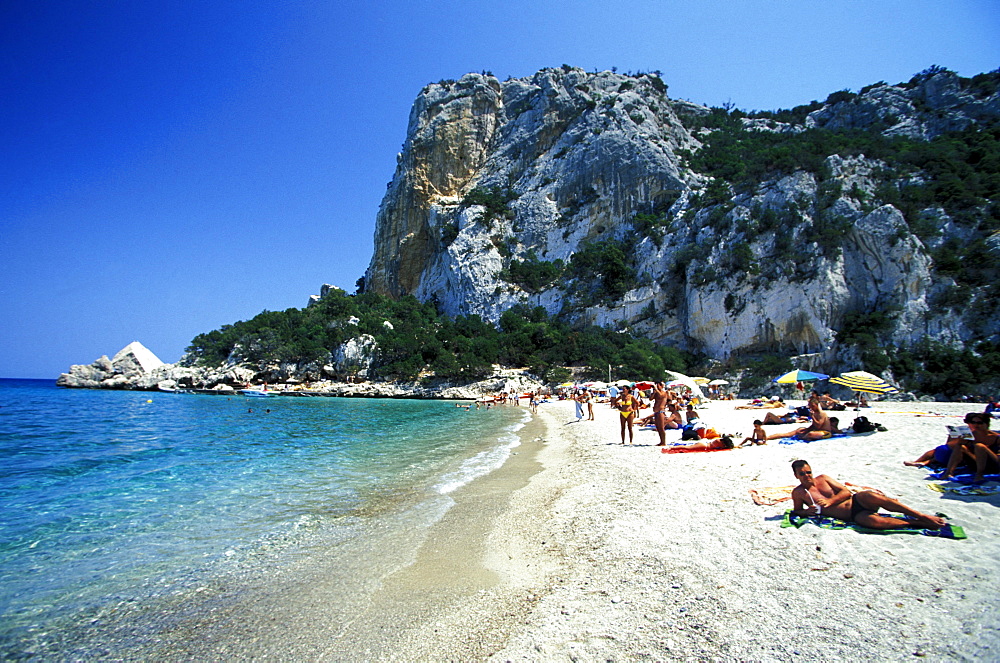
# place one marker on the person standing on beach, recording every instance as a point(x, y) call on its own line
point(660, 411)
point(626, 404)
point(588, 398)
point(578, 402)
point(823, 495)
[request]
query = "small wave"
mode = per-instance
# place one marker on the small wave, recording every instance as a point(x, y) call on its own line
point(483, 462)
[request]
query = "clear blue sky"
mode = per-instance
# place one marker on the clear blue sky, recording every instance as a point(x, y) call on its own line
point(170, 167)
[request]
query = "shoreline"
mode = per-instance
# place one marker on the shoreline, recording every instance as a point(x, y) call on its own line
point(301, 610)
point(580, 548)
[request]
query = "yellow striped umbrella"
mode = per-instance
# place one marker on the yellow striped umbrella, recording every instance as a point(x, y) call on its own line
point(864, 381)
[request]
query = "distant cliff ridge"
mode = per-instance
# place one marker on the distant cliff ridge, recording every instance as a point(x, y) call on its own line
point(823, 229)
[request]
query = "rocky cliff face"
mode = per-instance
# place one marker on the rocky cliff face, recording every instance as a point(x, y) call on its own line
point(499, 178)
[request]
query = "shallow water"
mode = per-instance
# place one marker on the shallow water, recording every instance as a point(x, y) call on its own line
point(120, 498)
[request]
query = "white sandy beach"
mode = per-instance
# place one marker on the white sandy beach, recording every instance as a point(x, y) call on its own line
point(625, 553)
point(582, 549)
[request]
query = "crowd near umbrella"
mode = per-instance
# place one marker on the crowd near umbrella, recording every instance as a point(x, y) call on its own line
point(799, 375)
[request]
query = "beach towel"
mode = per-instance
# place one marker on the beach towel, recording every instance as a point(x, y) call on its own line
point(772, 496)
point(966, 478)
point(795, 440)
point(949, 531)
point(680, 450)
point(968, 489)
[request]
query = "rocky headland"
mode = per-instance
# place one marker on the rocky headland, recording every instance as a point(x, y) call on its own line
point(135, 367)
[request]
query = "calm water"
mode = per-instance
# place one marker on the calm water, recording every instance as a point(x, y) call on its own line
point(122, 498)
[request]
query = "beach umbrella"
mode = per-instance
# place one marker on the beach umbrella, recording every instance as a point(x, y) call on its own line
point(718, 383)
point(700, 380)
point(643, 386)
point(687, 382)
point(799, 375)
point(865, 382)
point(622, 383)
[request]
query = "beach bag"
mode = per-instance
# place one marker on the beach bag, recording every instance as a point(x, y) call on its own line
point(688, 432)
point(862, 425)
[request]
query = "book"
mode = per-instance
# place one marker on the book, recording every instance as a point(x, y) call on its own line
point(961, 431)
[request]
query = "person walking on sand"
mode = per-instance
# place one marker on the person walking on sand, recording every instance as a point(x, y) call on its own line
point(660, 396)
point(626, 404)
point(823, 495)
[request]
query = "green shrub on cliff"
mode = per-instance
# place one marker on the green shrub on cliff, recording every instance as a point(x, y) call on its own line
point(495, 200)
point(532, 274)
point(419, 338)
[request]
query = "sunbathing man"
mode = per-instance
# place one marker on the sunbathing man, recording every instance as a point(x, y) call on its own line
point(774, 403)
point(822, 495)
point(790, 417)
point(819, 429)
point(830, 403)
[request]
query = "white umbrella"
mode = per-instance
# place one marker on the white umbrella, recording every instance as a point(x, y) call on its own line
point(718, 383)
point(687, 382)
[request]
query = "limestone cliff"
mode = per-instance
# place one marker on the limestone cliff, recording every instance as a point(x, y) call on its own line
point(500, 181)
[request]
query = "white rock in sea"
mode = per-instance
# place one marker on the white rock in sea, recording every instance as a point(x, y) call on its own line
point(138, 354)
point(130, 368)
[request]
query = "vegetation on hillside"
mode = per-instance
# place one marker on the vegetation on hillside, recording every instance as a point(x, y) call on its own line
point(419, 339)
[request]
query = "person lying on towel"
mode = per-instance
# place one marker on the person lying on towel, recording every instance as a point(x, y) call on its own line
point(708, 444)
point(823, 496)
point(819, 428)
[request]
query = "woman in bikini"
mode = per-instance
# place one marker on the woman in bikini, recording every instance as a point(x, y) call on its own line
point(627, 406)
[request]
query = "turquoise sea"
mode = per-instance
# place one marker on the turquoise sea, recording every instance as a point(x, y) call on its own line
point(118, 505)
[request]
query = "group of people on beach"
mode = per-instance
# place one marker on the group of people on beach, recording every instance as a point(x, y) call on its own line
point(977, 448)
point(667, 406)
